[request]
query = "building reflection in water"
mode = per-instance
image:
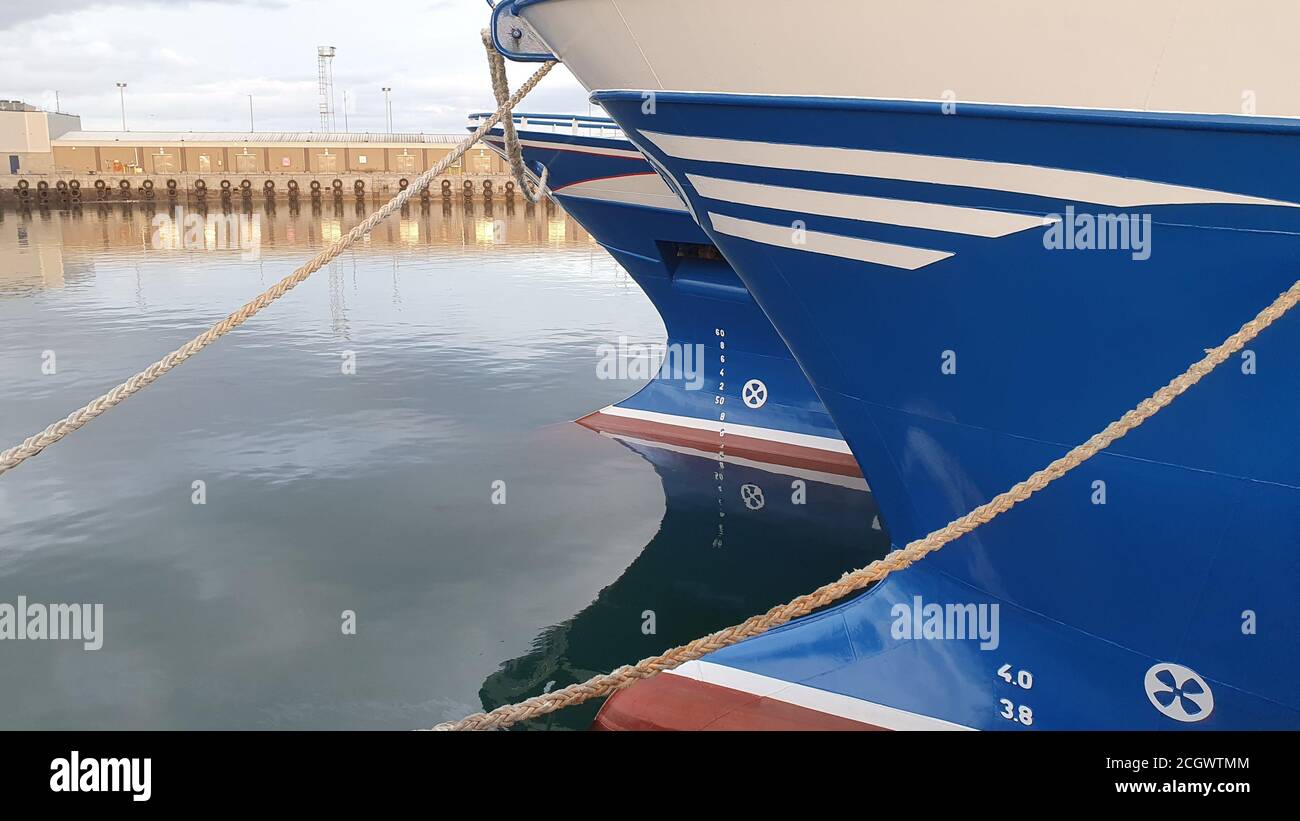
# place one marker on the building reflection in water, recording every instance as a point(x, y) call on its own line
point(48, 248)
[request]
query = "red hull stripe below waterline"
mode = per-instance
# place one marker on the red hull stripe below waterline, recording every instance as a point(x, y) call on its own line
point(675, 703)
point(701, 695)
point(754, 443)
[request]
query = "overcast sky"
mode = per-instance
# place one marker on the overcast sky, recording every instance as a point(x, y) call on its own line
point(189, 65)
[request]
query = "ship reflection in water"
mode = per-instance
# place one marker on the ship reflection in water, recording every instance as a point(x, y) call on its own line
point(781, 533)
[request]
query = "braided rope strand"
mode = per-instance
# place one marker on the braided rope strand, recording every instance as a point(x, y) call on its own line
point(15, 456)
point(897, 560)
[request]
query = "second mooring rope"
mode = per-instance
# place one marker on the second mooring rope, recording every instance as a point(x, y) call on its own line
point(514, 152)
point(897, 560)
point(15, 456)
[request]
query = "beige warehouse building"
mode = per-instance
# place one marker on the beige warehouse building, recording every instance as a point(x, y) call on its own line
point(33, 141)
point(195, 153)
point(52, 160)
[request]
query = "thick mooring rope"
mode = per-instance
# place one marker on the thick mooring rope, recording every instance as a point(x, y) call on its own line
point(896, 560)
point(15, 456)
point(514, 152)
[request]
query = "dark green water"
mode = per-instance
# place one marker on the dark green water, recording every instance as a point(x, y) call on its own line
point(474, 337)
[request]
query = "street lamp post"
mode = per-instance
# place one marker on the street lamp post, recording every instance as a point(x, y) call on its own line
point(388, 109)
point(250, 113)
point(121, 92)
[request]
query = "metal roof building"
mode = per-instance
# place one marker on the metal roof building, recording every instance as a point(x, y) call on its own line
point(26, 133)
point(143, 138)
point(271, 152)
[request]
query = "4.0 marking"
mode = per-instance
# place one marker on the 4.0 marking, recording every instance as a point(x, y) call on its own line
point(1022, 679)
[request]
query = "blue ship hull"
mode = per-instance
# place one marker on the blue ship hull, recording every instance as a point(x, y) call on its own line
point(934, 276)
point(711, 319)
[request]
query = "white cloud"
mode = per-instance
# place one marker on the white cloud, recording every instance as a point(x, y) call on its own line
point(190, 66)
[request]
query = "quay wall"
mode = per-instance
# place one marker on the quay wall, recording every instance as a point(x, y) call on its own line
point(59, 188)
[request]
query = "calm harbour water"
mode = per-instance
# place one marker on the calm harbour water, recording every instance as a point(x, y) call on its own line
point(474, 335)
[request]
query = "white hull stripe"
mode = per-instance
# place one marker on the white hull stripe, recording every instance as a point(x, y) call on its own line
point(803, 440)
point(647, 189)
point(978, 222)
point(850, 482)
point(1056, 183)
point(632, 154)
point(862, 250)
point(811, 698)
